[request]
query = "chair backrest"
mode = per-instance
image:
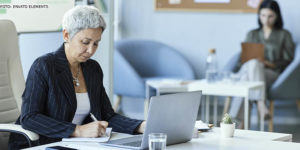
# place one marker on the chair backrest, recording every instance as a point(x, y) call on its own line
point(11, 77)
point(126, 75)
point(152, 59)
point(232, 63)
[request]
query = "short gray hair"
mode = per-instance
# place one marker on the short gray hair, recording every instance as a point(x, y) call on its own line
point(82, 17)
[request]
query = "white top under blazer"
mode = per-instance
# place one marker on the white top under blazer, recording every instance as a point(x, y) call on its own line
point(83, 108)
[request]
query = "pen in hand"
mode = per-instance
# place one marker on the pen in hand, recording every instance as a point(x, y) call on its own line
point(95, 119)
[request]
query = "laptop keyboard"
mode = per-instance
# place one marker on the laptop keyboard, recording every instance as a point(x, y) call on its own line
point(133, 144)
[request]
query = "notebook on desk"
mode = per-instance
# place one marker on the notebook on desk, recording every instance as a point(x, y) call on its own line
point(98, 139)
point(252, 51)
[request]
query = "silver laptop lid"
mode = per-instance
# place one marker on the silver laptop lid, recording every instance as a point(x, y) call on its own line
point(174, 115)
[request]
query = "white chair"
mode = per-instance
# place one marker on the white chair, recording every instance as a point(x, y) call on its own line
point(11, 85)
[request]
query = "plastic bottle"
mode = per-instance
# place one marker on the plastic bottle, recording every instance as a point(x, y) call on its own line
point(211, 73)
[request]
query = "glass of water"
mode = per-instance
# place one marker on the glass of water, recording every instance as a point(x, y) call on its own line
point(235, 77)
point(157, 141)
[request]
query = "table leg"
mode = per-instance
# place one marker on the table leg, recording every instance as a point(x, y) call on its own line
point(246, 113)
point(262, 113)
point(227, 104)
point(262, 120)
point(147, 101)
point(157, 92)
point(147, 91)
point(207, 109)
point(215, 111)
point(203, 108)
point(146, 106)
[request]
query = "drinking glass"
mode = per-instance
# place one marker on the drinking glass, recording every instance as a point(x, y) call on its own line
point(157, 141)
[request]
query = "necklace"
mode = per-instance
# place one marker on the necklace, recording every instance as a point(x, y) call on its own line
point(75, 79)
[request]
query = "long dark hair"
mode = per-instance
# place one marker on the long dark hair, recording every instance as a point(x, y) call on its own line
point(273, 5)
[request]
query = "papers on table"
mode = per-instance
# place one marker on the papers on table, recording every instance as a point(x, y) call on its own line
point(253, 3)
point(165, 83)
point(212, 1)
point(170, 82)
point(201, 126)
point(98, 139)
point(174, 2)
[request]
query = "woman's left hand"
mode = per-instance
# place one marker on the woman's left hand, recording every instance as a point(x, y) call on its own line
point(269, 64)
point(141, 128)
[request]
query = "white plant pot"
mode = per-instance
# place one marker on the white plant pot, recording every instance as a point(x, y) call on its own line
point(227, 130)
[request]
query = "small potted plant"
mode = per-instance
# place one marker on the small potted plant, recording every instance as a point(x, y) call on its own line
point(227, 126)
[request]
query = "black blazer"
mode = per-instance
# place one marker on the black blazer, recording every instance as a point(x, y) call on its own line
point(49, 100)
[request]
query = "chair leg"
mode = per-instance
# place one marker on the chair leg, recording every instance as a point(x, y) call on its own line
point(298, 104)
point(272, 116)
point(117, 102)
point(227, 104)
point(146, 107)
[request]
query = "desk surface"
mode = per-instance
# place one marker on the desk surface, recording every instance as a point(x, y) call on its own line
point(243, 139)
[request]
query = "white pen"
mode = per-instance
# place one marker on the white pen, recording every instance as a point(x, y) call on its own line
point(93, 117)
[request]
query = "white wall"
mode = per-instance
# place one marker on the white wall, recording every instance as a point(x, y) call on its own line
point(194, 33)
point(34, 45)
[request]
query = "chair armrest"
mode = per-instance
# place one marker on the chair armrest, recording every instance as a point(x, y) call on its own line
point(288, 81)
point(18, 129)
point(292, 68)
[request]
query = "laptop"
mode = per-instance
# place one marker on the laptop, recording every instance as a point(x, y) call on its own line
point(252, 51)
point(173, 114)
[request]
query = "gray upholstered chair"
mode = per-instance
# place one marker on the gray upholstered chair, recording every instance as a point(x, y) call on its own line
point(138, 61)
point(12, 84)
point(287, 86)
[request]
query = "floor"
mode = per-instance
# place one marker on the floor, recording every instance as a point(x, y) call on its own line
point(287, 116)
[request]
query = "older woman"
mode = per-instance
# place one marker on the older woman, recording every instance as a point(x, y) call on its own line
point(65, 86)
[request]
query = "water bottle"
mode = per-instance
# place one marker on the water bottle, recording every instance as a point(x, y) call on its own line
point(211, 73)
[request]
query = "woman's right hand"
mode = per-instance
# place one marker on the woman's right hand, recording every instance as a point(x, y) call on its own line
point(93, 129)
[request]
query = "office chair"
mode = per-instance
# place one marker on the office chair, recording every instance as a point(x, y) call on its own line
point(12, 85)
point(136, 61)
point(286, 87)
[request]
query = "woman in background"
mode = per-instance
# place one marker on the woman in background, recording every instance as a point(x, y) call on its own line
point(278, 50)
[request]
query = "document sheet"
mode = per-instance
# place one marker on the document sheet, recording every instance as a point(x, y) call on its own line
point(101, 139)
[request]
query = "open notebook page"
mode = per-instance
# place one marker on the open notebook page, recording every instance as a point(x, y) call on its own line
point(98, 139)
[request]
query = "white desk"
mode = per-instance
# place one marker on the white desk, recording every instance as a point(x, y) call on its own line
point(162, 86)
point(239, 89)
point(243, 139)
